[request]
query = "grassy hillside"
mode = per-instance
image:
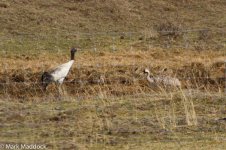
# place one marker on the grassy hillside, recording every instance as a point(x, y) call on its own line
point(107, 101)
point(108, 15)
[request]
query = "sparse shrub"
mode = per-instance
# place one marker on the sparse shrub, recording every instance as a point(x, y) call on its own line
point(122, 37)
point(169, 29)
point(204, 35)
point(140, 38)
point(4, 5)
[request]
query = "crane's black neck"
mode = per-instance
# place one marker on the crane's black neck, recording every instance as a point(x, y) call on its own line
point(72, 55)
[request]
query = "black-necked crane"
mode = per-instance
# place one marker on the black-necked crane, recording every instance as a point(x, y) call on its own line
point(59, 73)
point(162, 80)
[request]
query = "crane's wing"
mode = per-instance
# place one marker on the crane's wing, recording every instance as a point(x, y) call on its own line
point(61, 71)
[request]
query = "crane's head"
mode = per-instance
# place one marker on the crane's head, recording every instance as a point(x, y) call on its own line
point(73, 50)
point(146, 71)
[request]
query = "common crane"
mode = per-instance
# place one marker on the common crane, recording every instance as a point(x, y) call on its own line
point(162, 80)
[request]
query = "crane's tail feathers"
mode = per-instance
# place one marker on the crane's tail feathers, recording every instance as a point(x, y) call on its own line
point(46, 79)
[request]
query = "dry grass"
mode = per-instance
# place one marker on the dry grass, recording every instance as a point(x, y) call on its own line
point(204, 71)
point(113, 123)
point(124, 111)
point(113, 15)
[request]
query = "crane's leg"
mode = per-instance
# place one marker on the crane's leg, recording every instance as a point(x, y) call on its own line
point(60, 93)
point(61, 89)
point(64, 91)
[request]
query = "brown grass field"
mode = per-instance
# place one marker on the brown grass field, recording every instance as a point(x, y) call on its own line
point(124, 111)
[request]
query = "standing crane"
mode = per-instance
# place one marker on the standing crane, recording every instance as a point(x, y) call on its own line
point(58, 74)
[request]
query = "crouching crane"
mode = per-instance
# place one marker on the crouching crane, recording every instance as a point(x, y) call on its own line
point(58, 74)
point(162, 80)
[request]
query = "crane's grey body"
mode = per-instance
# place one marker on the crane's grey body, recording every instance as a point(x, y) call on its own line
point(162, 80)
point(61, 72)
point(58, 74)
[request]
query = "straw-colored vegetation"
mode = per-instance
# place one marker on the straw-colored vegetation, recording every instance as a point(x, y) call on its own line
point(108, 103)
point(124, 111)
